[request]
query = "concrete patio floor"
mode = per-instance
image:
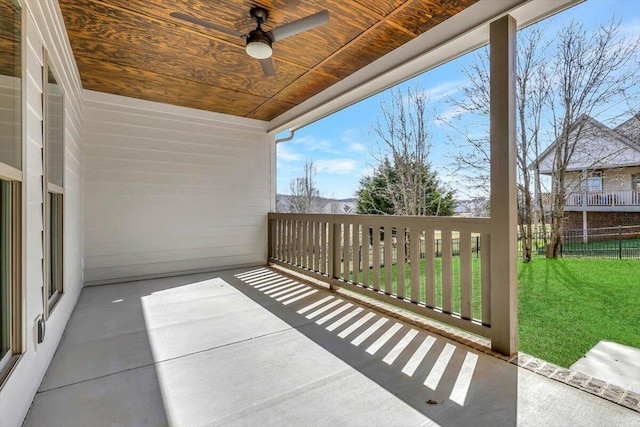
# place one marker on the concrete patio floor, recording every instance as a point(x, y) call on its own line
point(252, 347)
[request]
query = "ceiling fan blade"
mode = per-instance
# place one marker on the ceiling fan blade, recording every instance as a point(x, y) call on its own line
point(267, 67)
point(206, 24)
point(303, 24)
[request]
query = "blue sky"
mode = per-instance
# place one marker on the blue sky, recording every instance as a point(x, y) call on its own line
point(339, 144)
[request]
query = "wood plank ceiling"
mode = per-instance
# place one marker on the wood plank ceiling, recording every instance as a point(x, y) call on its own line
point(135, 48)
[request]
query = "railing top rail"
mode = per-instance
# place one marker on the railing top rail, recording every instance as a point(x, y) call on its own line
point(454, 223)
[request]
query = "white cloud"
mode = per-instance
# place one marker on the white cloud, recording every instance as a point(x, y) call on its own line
point(448, 115)
point(352, 143)
point(285, 154)
point(337, 166)
point(316, 144)
point(443, 90)
point(357, 147)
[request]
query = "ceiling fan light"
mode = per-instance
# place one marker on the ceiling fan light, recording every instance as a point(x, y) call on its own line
point(258, 45)
point(259, 49)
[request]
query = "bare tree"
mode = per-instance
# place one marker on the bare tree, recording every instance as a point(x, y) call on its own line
point(589, 71)
point(305, 196)
point(555, 85)
point(472, 158)
point(532, 92)
point(403, 183)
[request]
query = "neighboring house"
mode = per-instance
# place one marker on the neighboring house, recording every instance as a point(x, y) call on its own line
point(168, 166)
point(343, 206)
point(603, 176)
point(322, 205)
point(477, 206)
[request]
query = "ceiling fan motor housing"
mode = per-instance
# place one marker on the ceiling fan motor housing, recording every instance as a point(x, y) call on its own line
point(259, 44)
point(258, 41)
point(259, 14)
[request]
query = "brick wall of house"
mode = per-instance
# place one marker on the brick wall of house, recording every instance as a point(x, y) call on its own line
point(602, 225)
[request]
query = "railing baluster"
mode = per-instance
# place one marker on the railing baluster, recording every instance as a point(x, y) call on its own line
point(337, 245)
point(429, 268)
point(279, 254)
point(272, 238)
point(310, 244)
point(304, 247)
point(388, 259)
point(269, 238)
point(356, 252)
point(289, 242)
point(466, 279)
point(294, 240)
point(485, 272)
point(346, 252)
point(365, 254)
point(414, 249)
point(318, 247)
point(376, 258)
point(324, 247)
point(447, 277)
point(401, 245)
point(335, 242)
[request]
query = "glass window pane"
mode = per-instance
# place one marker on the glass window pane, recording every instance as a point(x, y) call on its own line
point(55, 130)
point(5, 267)
point(55, 244)
point(10, 85)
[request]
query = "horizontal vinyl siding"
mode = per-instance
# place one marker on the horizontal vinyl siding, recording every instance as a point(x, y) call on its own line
point(45, 30)
point(171, 189)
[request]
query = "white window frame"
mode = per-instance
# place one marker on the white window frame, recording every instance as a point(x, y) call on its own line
point(14, 178)
point(593, 177)
point(52, 190)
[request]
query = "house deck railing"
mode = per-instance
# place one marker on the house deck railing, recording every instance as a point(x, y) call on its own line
point(395, 259)
point(604, 198)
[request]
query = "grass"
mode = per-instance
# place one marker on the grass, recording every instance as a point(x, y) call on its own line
point(566, 306)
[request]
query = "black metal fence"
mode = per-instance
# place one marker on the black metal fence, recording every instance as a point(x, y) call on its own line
point(622, 242)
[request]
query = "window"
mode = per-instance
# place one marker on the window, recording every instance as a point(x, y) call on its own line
point(594, 181)
point(635, 181)
point(54, 198)
point(10, 186)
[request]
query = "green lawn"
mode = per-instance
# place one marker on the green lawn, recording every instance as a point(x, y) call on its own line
point(565, 306)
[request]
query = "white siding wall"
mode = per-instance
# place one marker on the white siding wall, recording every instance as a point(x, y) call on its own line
point(612, 179)
point(171, 189)
point(618, 179)
point(44, 29)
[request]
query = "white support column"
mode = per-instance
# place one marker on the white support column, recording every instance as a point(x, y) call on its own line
point(584, 197)
point(504, 287)
point(585, 190)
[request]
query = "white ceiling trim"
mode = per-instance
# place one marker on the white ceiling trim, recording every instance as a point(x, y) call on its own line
point(458, 35)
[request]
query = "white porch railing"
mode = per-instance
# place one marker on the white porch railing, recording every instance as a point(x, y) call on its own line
point(604, 198)
point(406, 261)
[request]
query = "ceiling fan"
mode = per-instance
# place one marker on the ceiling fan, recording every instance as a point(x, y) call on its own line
point(259, 41)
